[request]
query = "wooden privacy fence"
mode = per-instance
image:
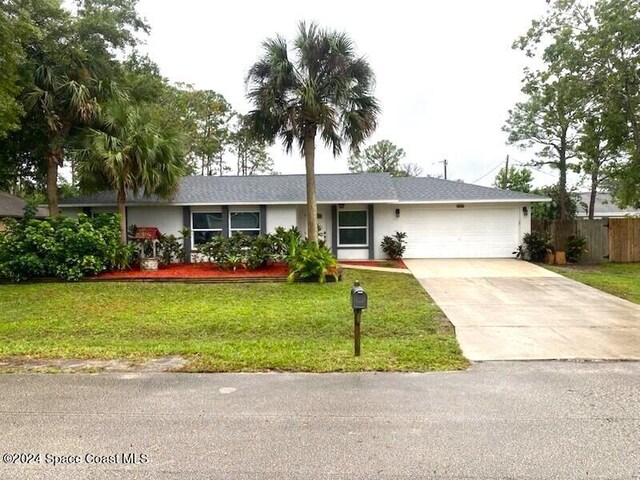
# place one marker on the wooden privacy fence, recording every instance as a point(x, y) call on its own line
point(614, 239)
point(624, 239)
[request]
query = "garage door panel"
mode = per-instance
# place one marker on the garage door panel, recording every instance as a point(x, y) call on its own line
point(460, 233)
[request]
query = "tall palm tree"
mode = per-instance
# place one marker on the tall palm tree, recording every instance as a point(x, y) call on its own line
point(64, 104)
point(326, 89)
point(130, 153)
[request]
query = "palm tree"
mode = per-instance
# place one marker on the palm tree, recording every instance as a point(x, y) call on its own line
point(130, 153)
point(64, 103)
point(327, 90)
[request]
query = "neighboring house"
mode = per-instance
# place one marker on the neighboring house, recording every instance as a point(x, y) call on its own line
point(605, 207)
point(442, 219)
point(13, 207)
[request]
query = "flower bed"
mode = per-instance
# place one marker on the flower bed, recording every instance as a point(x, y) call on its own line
point(198, 270)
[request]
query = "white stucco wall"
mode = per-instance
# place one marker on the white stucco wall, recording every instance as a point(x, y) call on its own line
point(385, 223)
point(167, 219)
point(353, 254)
point(281, 216)
point(525, 220)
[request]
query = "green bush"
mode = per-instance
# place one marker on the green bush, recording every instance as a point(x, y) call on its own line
point(250, 252)
point(576, 245)
point(312, 262)
point(537, 245)
point(260, 252)
point(394, 246)
point(284, 241)
point(63, 247)
point(170, 249)
point(214, 250)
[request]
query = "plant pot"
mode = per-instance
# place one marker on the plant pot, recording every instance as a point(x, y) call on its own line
point(149, 264)
point(549, 258)
point(560, 258)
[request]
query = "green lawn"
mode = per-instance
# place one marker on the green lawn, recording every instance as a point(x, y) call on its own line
point(620, 279)
point(232, 327)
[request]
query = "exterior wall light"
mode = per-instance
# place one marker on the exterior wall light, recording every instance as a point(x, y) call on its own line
point(397, 213)
point(525, 211)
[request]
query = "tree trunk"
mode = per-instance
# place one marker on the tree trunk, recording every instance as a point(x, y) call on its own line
point(594, 192)
point(562, 184)
point(122, 211)
point(309, 161)
point(52, 182)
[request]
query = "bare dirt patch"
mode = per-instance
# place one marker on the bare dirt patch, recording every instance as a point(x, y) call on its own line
point(170, 363)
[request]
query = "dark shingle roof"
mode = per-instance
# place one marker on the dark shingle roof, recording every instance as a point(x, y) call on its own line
point(12, 206)
point(331, 188)
point(429, 189)
point(605, 206)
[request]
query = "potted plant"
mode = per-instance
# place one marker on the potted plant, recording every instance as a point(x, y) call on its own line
point(560, 258)
point(550, 256)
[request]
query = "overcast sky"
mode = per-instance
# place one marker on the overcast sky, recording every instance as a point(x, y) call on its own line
point(446, 73)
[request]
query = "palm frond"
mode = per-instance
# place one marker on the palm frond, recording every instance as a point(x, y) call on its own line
point(326, 89)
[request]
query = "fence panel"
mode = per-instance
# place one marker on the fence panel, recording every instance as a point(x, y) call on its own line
point(597, 235)
point(624, 239)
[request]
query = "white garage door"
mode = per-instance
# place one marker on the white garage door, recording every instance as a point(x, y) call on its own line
point(460, 232)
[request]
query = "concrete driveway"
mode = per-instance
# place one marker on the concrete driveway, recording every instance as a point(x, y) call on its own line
point(506, 309)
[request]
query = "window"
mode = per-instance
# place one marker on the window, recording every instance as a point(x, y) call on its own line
point(247, 223)
point(352, 228)
point(205, 226)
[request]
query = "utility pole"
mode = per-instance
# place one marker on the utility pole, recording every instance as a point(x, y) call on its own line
point(505, 181)
point(445, 162)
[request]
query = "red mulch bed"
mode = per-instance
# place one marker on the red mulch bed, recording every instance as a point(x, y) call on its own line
point(375, 263)
point(198, 270)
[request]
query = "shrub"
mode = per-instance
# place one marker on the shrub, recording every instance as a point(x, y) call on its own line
point(250, 252)
point(261, 251)
point(576, 245)
point(64, 247)
point(214, 249)
point(284, 241)
point(394, 246)
point(311, 261)
point(537, 245)
point(170, 249)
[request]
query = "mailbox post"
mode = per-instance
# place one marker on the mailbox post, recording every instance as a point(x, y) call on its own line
point(358, 303)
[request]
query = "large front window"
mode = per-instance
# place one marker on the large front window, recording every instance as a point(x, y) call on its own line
point(352, 228)
point(205, 226)
point(247, 223)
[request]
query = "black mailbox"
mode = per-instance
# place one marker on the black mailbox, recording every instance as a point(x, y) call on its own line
point(358, 297)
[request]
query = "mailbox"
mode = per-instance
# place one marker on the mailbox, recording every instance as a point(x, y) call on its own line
point(358, 297)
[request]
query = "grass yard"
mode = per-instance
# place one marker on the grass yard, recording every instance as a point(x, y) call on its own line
point(232, 327)
point(620, 279)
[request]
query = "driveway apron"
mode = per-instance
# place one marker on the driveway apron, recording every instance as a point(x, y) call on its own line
point(504, 309)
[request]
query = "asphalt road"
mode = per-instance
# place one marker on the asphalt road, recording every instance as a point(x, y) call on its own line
point(498, 420)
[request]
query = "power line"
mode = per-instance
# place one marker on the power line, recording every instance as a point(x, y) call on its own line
point(489, 172)
point(534, 168)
